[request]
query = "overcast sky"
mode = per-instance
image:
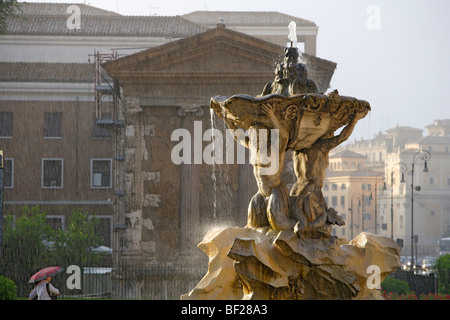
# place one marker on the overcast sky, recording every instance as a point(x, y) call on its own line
point(399, 62)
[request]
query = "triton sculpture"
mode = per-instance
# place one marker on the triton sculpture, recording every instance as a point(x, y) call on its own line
point(286, 250)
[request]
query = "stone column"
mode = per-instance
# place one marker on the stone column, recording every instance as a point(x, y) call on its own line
point(190, 197)
point(133, 181)
point(310, 45)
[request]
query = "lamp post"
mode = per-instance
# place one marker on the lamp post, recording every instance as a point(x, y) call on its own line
point(380, 175)
point(351, 212)
point(402, 170)
point(425, 156)
point(363, 200)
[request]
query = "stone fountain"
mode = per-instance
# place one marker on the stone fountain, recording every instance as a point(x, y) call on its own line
point(286, 250)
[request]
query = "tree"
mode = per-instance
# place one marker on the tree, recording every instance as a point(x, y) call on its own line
point(7, 8)
point(25, 241)
point(442, 267)
point(74, 245)
point(30, 244)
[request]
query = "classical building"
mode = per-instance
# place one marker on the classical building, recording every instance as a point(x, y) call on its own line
point(168, 206)
point(104, 144)
point(352, 190)
point(431, 189)
point(57, 156)
point(268, 26)
point(386, 155)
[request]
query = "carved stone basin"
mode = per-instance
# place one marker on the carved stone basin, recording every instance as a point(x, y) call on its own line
point(314, 114)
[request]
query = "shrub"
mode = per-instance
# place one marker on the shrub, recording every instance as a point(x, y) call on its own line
point(395, 286)
point(8, 289)
point(442, 267)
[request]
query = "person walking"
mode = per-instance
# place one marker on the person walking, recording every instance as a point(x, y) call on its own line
point(44, 290)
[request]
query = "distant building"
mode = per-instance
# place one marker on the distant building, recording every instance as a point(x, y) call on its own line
point(431, 203)
point(383, 155)
point(268, 26)
point(351, 189)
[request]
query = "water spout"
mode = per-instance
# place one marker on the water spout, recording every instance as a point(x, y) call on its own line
point(213, 174)
point(293, 33)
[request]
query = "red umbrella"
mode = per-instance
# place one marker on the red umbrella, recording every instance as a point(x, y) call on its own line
point(45, 273)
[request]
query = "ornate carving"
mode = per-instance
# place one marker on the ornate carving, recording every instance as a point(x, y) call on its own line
point(306, 121)
point(286, 251)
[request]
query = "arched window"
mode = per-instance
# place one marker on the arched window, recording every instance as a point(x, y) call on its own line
point(346, 165)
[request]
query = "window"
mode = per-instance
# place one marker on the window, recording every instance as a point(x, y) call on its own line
point(104, 229)
point(334, 186)
point(52, 125)
point(55, 222)
point(325, 186)
point(343, 186)
point(334, 201)
point(8, 182)
point(101, 176)
point(6, 124)
point(342, 201)
point(52, 173)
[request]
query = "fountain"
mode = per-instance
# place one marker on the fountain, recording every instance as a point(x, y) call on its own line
point(286, 250)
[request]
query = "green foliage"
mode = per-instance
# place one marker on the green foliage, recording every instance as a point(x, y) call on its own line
point(30, 244)
point(8, 289)
point(73, 246)
point(395, 286)
point(7, 8)
point(442, 268)
point(24, 248)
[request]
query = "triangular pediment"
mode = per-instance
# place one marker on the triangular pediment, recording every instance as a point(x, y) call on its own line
point(212, 56)
point(216, 50)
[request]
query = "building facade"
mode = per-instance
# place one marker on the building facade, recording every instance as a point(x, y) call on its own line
point(390, 157)
point(82, 148)
point(352, 190)
point(169, 206)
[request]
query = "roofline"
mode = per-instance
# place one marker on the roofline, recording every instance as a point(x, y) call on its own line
point(247, 12)
point(109, 66)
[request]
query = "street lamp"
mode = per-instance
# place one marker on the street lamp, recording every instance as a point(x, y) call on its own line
point(380, 175)
point(351, 212)
point(360, 210)
point(402, 170)
point(425, 156)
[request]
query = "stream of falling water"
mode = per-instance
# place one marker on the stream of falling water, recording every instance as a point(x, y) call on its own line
point(213, 175)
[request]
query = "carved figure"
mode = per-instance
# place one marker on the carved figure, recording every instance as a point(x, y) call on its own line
point(301, 259)
point(310, 166)
point(270, 205)
point(305, 122)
